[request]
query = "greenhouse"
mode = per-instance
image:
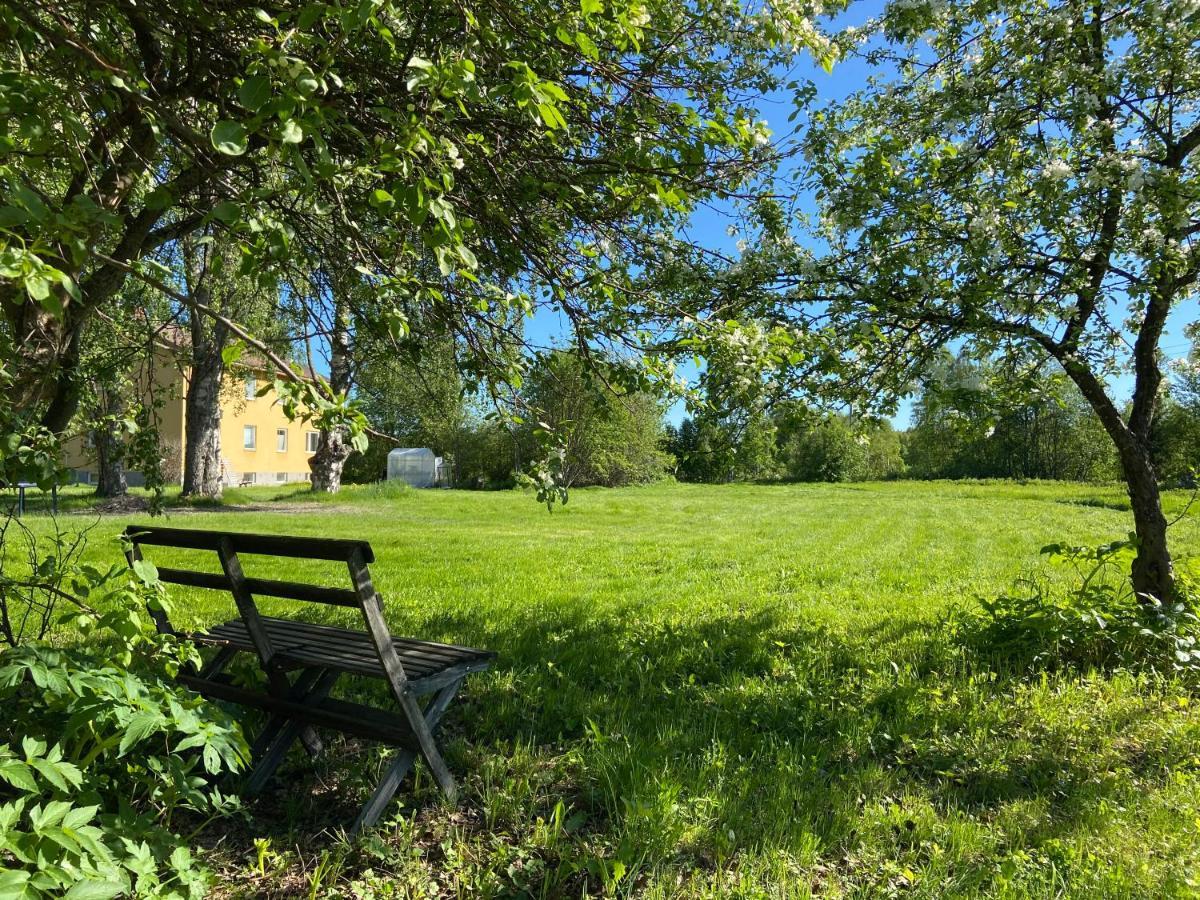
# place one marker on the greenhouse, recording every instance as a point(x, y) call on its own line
point(415, 465)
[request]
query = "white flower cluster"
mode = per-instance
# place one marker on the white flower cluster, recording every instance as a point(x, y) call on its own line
point(794, 21)
point(1185, 367)
point(761, 132)
point(1117, 168)
point(1056, 170)
point(933, 7)
point(744, 348)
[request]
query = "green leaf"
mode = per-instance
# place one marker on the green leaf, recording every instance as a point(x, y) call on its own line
point(587, 46)
point(309, 15)
point(254, 92)
point(94, 890)
point(50, 772)
point(69, 285)
point(227, 211)
point(79, 816)
point(12, 884)
point(139, 727)
point(229, 138)
point(292, 132)
point(146, 571)
point(233, 352)
point(19, 776)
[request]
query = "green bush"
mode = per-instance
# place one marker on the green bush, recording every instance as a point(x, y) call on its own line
point(101, 753)
point(1096, 624)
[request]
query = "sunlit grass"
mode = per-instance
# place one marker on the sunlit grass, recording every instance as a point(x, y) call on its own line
point(736, 691)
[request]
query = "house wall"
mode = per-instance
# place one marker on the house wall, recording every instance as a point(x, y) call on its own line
point(264, 464)
point(167, 382)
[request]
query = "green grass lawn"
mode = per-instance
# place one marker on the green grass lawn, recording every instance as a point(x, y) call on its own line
point(737, 691)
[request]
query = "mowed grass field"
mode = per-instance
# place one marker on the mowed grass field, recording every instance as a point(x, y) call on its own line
point(727, 691)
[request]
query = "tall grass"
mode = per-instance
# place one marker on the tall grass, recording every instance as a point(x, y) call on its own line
point(735, 691)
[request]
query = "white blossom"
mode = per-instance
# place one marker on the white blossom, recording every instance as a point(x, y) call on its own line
point(1056, 170)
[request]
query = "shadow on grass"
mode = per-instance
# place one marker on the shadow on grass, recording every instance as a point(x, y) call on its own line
point(677, 744)
point(1097, 503)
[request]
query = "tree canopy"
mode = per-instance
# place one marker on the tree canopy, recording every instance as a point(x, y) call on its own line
point(468, 161)
point(1019, 178)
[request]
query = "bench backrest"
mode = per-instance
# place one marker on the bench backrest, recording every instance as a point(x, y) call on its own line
point(354, 553)
point(227, 545)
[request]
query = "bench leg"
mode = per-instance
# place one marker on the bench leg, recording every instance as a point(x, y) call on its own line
point(383, 793)
point(280, 733)
point(303, 688)
point(217, 664)
point(390, 783)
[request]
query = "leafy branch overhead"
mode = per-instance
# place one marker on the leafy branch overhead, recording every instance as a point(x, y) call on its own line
point(461, 158)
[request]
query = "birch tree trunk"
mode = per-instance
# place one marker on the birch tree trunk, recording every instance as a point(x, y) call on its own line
point(202, 407)
point(333, 449)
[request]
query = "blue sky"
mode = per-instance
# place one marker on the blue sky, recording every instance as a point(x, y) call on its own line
point(709, 225)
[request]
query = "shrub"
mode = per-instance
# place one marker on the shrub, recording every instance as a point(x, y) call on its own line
point(1096, 624)
point(100, 752)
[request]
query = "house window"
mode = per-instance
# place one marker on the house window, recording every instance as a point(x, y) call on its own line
point(281, 477)
point(311, 440)
point(251, 387)
point(249, 437)
point(281, 440)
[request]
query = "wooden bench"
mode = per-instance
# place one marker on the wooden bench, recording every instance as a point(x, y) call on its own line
point(317, 655)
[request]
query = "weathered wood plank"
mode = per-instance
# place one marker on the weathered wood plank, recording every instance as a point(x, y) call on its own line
point(339, 715)
point(390, 783)
point(397, 679)
point(262, 587)
point(311, 688)
point(297, 546)
point(279, 685)
point(288, 653)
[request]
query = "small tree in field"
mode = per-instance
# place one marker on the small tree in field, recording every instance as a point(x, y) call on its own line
point(610, 435)
point(1022, 177)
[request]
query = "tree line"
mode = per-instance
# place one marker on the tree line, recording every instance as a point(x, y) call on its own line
point(963, 424)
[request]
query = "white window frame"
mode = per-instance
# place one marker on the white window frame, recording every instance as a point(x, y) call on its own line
point(250, 431)
point(251, 387)
point(281, 433)
point(312, 440)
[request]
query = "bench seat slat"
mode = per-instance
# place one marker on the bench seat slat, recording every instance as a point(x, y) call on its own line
point(445, 653)
point(309, 644)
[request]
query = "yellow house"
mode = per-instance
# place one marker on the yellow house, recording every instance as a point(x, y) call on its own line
point(258, 443)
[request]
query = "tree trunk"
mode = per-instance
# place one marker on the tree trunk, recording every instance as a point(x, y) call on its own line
point(110, 448)
point(1152, 573)
point(202, 418)
point(327, 463)
point(333, 449)
point(202, 406)
point(110, 465)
